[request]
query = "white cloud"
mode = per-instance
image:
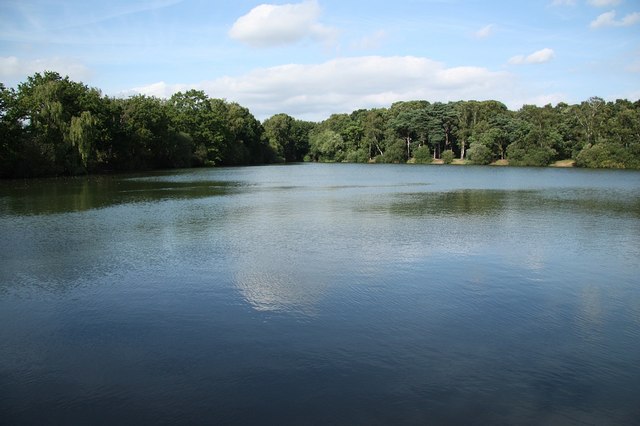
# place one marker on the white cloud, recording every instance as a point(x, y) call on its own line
point(630, 19)
point(542, 100)
point(13, 68)
point(608, 19)
point(273, 25)
point(485, 31)
point(316, 91)
point(632, 96)
point(539, 57)
point(604, 3)
point(159, 90)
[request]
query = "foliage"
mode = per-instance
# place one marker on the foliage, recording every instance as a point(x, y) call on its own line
point(604, 155)
point(50, 125)
point(359, 156)
point(479, 153)
point(422, 155)
point(395, 153)
point(287, 137)
point(326, 146)
point(447, 157)
point(531, 156)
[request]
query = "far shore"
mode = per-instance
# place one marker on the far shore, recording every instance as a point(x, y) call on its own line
point(459, 162)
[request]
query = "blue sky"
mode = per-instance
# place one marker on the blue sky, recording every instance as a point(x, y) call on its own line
point(312, 58)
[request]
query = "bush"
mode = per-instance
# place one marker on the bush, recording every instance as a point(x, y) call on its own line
point(603, 156)
point(537, 157)
point(422, 154)
point(395, 153)
point(358, 156)
point(479, 154)
point(447, 157)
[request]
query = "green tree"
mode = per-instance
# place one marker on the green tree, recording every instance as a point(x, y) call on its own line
point(147, 126)
point(395, 153)
point(246, 144)
point(327, 146)
point(287, 137)
point(467, 113)
point(445, 123)
point(374, 124)
point(535, 138)
point(83, 135)
point(47, 105)
point(479, 153)
point(411, 122)
point(192, 113)
point(447, 156)
point(11, 133)
point(589, 116)
point(422, 155)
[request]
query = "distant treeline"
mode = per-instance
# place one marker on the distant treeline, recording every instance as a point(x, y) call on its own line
point(50, 125)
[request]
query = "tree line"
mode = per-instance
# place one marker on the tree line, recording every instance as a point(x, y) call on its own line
point(594, 133)
point(50, 125)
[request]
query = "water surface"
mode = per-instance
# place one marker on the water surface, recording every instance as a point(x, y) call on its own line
point(322, 294)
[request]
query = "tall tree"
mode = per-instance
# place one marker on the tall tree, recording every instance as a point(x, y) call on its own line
point(536, 136)
point(374, 124)
point(193, 113)
point(11, 133)
point(83, 135)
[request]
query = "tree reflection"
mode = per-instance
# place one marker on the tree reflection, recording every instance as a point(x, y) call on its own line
point(51, 196)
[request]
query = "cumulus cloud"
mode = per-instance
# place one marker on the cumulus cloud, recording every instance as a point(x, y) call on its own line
point(270, 25)
point(14, 68)
point(539, 57)
point(604, 3)
point(315, 91)
point(485, 31)
point(546, 99)
point(608, 19)
point(158, 90)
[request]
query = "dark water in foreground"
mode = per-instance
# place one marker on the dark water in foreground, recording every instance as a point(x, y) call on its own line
point(322, 294)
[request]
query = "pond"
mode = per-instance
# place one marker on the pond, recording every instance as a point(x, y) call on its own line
point(322, 294)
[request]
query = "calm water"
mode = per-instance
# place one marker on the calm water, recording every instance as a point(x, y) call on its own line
point(322, 294)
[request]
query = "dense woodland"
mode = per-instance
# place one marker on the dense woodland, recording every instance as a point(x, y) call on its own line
point(50, 125)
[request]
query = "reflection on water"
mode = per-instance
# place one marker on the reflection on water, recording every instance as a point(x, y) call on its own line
point(322, 294)
point(47, 196)
point(268, 290)
point(460, 202)
point(484, 202)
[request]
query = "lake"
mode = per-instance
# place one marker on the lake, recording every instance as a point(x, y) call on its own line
point(322, 294)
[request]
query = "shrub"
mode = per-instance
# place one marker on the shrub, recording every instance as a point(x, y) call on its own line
point(479, 154)
point(602, 156)
point(538, 156)
point(447, 157)
point(422, 154)
point(358, 156)
point(395, 153)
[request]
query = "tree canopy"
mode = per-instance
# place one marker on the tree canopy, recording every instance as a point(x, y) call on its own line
point(594, 133)
point(50, 125)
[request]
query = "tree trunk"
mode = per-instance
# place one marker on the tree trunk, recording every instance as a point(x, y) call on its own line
point(408, 147)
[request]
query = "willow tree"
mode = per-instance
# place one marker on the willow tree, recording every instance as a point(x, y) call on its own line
point(82, 135)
